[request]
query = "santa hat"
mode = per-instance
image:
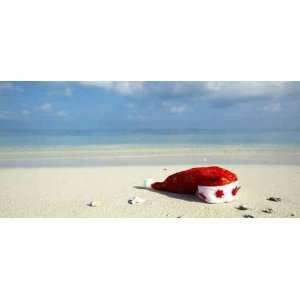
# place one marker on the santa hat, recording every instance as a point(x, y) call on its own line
point(210, 184)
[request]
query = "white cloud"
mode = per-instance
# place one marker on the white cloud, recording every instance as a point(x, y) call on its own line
point(218, 94)
point(4, 115)
point(68, 91)
point(48, 107)
point(272, 107)
point(8, 87)
point(173, 108)
point(122, 87)
point(25, 112)
point(178, 109)
point(61, 90)
point(44, 107)
point(200, 90)
point(61, 113)
point(244, 88)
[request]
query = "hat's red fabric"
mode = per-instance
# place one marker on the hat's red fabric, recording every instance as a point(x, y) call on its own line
point(187, 182)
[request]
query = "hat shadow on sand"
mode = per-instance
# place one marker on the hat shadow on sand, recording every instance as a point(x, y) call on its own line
point(184, 197)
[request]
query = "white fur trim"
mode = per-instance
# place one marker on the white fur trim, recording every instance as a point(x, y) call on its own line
point(148, 182)
point(209, 193)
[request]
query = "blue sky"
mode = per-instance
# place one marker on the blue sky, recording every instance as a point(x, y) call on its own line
point(92, 105)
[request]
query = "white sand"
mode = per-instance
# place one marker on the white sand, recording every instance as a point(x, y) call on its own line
point(65, 192)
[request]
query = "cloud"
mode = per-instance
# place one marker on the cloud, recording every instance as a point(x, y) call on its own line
point(243, 88)
point(219, 94)
point(7, 115)
point(121, 87)
point(25, 112)
point(6, 86)
point(272, 107)
point(44, 107)
point(9, 87)
point(209, 89)
point(61, 113)
point(68, 92)
point(63, 91)
point(48, 107)
point(173, 108)
point(4, 115)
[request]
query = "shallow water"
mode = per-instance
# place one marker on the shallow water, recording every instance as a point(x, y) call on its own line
point(39, 148)
point(153, 138)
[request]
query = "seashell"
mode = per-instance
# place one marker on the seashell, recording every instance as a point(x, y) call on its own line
point(242, 207)
point(248, 216)
point(93, 204)
point(274, 199)
point(267, 210)
point(136, 200)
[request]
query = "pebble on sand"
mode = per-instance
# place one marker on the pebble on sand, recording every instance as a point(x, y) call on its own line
point(267, 210)
point(136, 200)
point(274, 199)
point(242, 207)
point(248, 216)
point(93, 204)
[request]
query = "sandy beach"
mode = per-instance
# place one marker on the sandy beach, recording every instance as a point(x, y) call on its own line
point(67, 191)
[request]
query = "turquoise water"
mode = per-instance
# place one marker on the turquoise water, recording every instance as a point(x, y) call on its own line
point(44, 148)
point(50, 139)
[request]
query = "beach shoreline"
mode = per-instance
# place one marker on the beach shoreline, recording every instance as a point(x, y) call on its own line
point(146, 156)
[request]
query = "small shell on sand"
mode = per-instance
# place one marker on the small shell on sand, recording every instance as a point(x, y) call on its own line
point(242, 207)
point(136, 200)
point(93, 204)
point(274, 199)
point(248, 216)
point(267, 210)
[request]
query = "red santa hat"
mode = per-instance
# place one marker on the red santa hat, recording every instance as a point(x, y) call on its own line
point(210, 184)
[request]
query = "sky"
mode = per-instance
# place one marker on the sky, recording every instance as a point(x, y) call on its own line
point(149, 105)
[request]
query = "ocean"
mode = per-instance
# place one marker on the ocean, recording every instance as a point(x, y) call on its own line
point(53, 139)
point(38, 148)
